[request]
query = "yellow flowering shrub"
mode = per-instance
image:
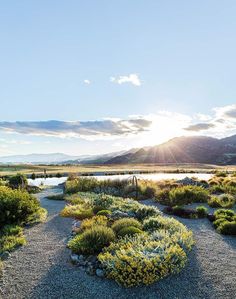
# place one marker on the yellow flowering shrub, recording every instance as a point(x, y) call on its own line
point(140, 260)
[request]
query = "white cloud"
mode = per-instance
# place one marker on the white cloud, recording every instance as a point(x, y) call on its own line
point(87, 81)
point(131, 78)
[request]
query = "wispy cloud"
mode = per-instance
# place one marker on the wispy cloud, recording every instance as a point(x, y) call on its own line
point(87, 81)
point(222, 121)
point(199, 127)
point(96, 128)
point(131, 78)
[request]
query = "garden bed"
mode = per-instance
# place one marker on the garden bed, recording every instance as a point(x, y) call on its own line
point(124, 240)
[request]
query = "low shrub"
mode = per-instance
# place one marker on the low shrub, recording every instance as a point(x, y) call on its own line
point(118, 225)
point(227, 228)
point(187, 194)
point(222, 201)
point(142, 212)
point(202, 211)
point(11, 237)
point(225, 221)
point(104, 213)
point(79, 212)
point(181, 211)
point(96, 220)
point(92, 240)
point(138, 259)
point(129, 231)
point(156, 223)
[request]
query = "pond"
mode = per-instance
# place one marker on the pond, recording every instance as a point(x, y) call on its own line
point(149, 176)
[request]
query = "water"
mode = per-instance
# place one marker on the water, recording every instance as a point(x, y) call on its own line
point(149, 176)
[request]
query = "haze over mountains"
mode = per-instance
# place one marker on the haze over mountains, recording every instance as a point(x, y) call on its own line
point(199, 149)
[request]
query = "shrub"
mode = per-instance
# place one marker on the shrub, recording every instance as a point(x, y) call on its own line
point(96, 220)
point(187, 194)
point(224, 213)
point(142, 212)
point(223, 201)
point(80, 184)
point(225, 221)
point(16, 206)
point(79, 212)
point(18, 181)
point(227, 228)
point(11, 237)
point(156, 223)
point(181, 212)
point(202, 211)
point(129, 231)
point(92, 240)
point(104, 213)
point(139, 260)
point(118, 225)
point(103, 201)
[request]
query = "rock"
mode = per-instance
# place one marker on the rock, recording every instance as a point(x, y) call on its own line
point(100, 273)
point(5, 255)
point(188, 181)
point(74, 258)
point(92, 259)
point(90, 270)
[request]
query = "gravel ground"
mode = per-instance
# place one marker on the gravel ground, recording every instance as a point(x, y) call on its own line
point(42, 269)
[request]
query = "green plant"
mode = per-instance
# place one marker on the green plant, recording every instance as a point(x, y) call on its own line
point(187, 194)
point(202, 211)
point(16, 206)
point(129, 231)
point(18, 181)
point(225, 221)
point(104, 213)
point(118, 225)
point(222, 201)
point(92, 240)
point(96, 220)
point(79, 211)
point(138, 259)
point(142, 212)
point(11, 237)
point(227, 228)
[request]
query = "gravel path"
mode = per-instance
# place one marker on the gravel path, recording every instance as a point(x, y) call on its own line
point(41, 269)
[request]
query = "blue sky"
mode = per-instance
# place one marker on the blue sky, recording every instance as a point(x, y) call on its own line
point(170, 63)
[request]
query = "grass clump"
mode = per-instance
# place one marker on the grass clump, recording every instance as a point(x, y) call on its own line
point(92, 240)
point(225, 221)
point(104, 213)
point(124, 223)
point(186, 195)
point(129, 231)
point(79, 212)
point(202, 211)
point(11, 237)
point(222, 201)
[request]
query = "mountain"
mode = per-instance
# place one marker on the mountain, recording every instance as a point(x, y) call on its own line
point(37, 158)
point(199, 149)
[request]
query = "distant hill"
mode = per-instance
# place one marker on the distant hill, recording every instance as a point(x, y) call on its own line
point(198, 149)
point(36, 158)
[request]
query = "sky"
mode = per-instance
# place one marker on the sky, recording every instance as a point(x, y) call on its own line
point(89, 77)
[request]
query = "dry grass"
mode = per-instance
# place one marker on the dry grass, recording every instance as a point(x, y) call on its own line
point(79, 169)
